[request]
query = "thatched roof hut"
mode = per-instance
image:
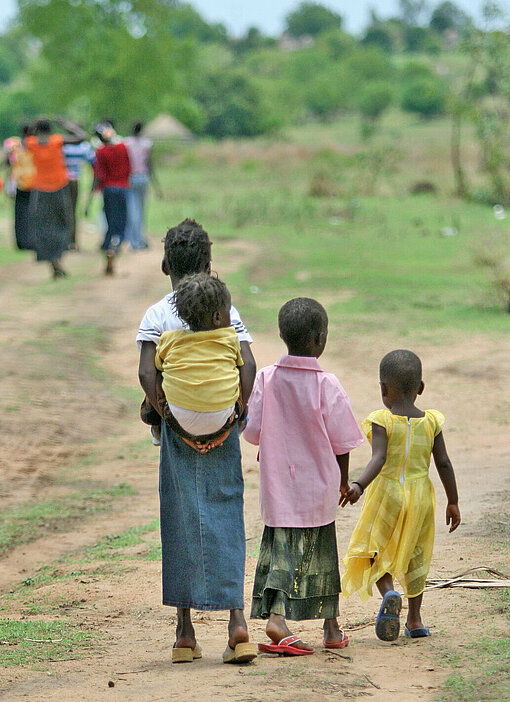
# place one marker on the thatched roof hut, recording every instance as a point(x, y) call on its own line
point(165, 127)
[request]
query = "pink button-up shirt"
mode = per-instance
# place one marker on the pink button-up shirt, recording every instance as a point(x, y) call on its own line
point(301, 418)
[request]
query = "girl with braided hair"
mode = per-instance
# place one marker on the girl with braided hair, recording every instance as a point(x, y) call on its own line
point(201, 494)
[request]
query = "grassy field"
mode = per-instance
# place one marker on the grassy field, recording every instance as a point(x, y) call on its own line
point(411, 257)
point(324, 213)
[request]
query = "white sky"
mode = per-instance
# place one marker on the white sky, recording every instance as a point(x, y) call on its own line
point(269, 15)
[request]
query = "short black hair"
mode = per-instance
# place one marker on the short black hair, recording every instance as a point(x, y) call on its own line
point(187, 249)
point(402, 369)
point(43, 126)
point(300, 320)
point(198, 297)
point(137, 128)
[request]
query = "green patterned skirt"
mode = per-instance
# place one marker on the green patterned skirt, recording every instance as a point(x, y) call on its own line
point(297, 574)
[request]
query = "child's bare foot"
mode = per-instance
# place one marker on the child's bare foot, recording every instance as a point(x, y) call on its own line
point(277, 630)
point(333, 635)
point(237, 628)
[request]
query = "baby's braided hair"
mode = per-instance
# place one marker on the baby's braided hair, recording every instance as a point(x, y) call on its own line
point(198, 297)
point(187, 249)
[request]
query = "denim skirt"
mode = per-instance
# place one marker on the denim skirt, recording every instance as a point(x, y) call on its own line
point(202, 525)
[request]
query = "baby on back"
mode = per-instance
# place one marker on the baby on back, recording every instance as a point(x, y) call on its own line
point(200, 365)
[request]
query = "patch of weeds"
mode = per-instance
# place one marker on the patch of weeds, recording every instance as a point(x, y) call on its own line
point(31, 522)
point(23, 642)
point(110, 547)
point(153, 554)
point(48, 575)
point(130, 393)
point(254, 551)
point(485, 676)
point(497, 528)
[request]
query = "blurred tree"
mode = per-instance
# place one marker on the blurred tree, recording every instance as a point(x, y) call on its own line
point(485, 100)
point(253, 40)
point(415, 38)
point(369, 64)
point(373, 100)
point(18, 104)
point(378, 35)
point(234, 105)
point(100, 57)
point(13, 55)
point(448, 15)
point(187, 22)
point(412, 11)
point(425, 96)
point(311, 18)
point(336, 44)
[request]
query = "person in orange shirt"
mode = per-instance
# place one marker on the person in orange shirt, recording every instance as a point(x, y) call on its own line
point(50, 201)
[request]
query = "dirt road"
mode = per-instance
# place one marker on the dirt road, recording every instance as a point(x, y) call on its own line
point(69, 428)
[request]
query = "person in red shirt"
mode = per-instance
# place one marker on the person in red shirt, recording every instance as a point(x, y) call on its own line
point(111, 175)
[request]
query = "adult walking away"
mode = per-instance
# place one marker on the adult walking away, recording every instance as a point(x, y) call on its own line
point(201, 495)
point(19, 183)
point(142, 170)
point(75, 154)
point(111, 175)
point(50, 203)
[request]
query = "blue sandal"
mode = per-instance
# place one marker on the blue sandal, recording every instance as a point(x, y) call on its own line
point(417, 633)
point(387, 625)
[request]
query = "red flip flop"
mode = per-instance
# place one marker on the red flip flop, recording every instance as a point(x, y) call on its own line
point(337, 644)
point(285, 647)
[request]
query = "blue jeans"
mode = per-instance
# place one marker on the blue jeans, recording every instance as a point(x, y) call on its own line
point(202, 527)
point(138, 183)
point(115, 210)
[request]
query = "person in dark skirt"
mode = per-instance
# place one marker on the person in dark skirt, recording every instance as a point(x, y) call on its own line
point(19, 184)
point(50, 210)
point(301, 419)
point(201, 495)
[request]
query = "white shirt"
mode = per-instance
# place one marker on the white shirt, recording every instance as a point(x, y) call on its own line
point(162, 317)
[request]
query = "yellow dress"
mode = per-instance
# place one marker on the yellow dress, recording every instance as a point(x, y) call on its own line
point(395, 530)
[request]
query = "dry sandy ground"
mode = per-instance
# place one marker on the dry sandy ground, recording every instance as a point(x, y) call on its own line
point(68, 414)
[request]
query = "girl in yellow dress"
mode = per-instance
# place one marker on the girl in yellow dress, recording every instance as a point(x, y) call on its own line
point(394, 535)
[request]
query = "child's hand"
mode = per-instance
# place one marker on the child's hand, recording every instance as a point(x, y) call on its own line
point(452, 517)
point(351, 495)
point(343, 495)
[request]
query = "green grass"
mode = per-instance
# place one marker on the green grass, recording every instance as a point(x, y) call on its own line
point(373, 252)
point(482, 673)
point(23, 642)
point(32, 521)
point(10, 255)
point(111, 547)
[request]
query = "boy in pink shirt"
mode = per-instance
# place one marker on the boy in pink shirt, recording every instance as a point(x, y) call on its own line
point(301, 418)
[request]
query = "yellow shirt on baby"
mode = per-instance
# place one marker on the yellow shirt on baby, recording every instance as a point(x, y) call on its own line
point(200, 368)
